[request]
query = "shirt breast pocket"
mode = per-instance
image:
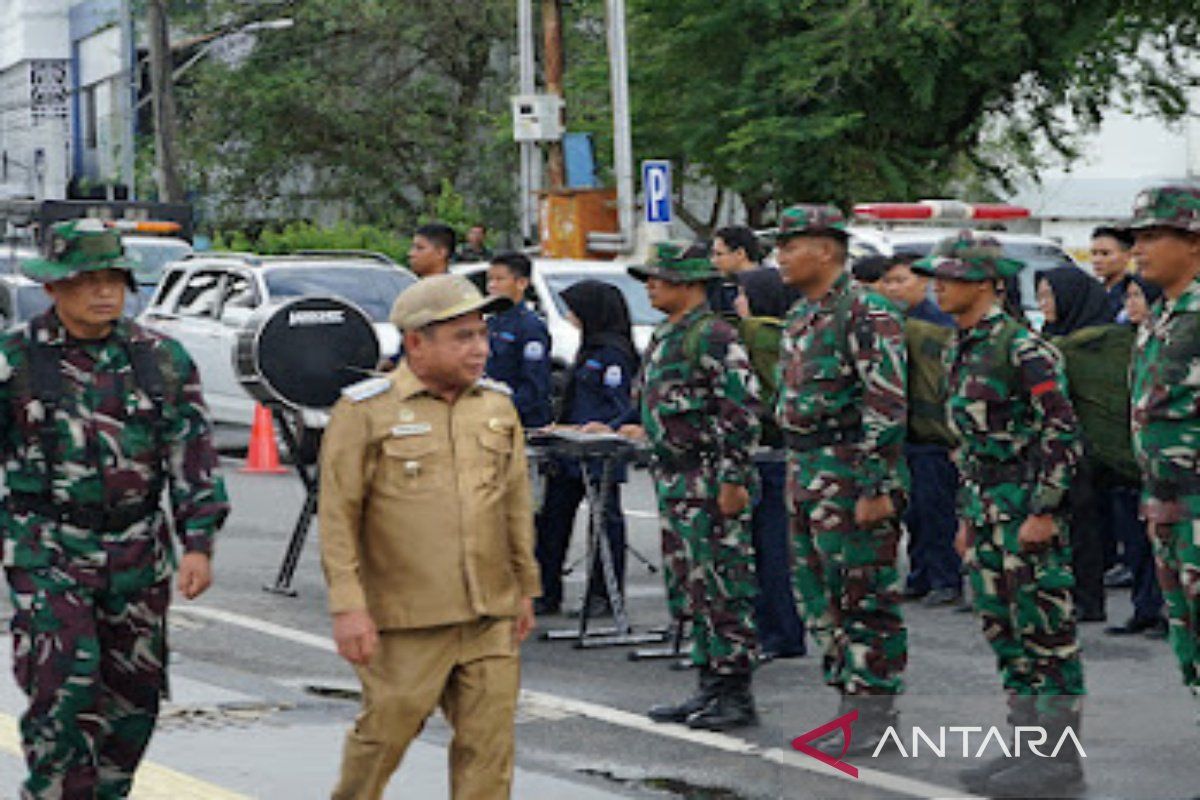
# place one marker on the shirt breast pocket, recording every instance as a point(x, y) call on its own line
point(495, 456)
point(412, 464)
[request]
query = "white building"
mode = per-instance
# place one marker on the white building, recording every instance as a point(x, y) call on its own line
point(64, 96)
point(1127, 154)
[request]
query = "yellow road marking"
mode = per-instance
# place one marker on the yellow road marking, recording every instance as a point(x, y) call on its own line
point(153, 781)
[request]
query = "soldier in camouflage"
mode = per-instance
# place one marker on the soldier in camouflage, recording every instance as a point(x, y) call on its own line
point(843, 406)
point(97, 417)
point(1019, 448)
point(696, 391)
point(1165, 382)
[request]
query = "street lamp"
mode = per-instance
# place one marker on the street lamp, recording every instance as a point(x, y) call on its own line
point(211, 40)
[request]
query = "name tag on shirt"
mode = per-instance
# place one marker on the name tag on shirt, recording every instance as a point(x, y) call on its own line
point(412, 429)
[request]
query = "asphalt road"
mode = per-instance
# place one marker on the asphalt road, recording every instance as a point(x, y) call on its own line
point(262, 702)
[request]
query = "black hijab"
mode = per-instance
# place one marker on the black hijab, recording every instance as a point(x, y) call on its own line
point(1079, 301)
point(1151, 291)
point(604, 315)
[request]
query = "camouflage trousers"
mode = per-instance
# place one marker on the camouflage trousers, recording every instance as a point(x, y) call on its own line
point(708, 565)
point(1024, 601)
point(847, 587)
point(1177, 558)
point(92, 662)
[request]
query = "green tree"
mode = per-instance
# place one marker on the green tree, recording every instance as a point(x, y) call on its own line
point(805, 100)
point(367, 106)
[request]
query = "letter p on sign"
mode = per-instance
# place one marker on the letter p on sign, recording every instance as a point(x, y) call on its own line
point(656, 185)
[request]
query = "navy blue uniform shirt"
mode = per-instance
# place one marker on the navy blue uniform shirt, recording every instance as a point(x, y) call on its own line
point(600, 391)
point(520, 358)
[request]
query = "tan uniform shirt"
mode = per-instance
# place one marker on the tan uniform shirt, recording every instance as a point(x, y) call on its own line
point(425, 514)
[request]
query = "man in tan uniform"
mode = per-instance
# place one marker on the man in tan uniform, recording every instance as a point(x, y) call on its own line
point(427, 546)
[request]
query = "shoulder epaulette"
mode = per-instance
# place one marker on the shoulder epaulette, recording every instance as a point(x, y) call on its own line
point(495, 386)
point(366, 389)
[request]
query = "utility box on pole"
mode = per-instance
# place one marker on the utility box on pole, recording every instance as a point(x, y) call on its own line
point(537, 117)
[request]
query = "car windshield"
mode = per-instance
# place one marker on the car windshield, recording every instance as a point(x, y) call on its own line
point(31, 301)
point(373, 289)
point(150, 257)
point(640, 310)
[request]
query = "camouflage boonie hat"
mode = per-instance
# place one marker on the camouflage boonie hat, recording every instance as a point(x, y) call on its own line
point(78, 246)
point(1167, 207)
point(812, 220)
point(668, 264)
point(969, 256)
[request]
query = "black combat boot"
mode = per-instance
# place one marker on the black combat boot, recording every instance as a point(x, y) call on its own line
point(733, 706)
point(876, 713)
point(1022, 712)
point(845, 706)
point(1035, 776)
point(679, 712)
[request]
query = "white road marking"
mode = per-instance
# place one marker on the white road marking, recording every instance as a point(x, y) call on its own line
point(625, 719)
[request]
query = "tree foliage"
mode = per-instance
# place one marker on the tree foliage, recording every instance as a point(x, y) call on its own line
point(368, 106)
point(865, 99)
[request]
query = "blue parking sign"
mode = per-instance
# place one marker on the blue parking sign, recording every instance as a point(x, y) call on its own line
point(656, 187)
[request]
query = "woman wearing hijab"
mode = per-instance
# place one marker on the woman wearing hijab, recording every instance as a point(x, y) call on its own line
point(1140, 297)
point(597, 391)
point(1080, 320)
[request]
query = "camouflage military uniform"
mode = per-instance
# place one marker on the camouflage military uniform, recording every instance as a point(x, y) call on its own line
point(1020, 445)
point(842, 405)
point(697, 412)
point(1165, 381)
point(86, 549)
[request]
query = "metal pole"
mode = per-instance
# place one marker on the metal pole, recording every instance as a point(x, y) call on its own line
point(129, 48)
point(170, 187)
point(531, 172)
point(618, 67)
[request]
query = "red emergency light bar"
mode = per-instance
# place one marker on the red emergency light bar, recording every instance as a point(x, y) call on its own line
point(938, 210)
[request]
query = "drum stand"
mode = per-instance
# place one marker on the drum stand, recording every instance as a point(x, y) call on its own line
point(609, 454)
point(310, 477)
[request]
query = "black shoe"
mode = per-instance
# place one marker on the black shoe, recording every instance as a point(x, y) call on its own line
point(1092, 615)
point(1119, 577)
point(943, 597)
point(787, 652)
point(1022, 711)
point(876, 713)
point(1134, 625)
point(733, 707)
point(680, 712)
point(1031, 776)
point(913, 593)
point(543, 607)
point(1160, 630)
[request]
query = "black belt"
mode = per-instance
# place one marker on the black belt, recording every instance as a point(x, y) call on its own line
point(995, 472)
point(91, 517)
point(689, 461)
point(824, 438)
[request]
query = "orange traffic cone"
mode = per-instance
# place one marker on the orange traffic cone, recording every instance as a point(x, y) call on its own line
point(263, 455)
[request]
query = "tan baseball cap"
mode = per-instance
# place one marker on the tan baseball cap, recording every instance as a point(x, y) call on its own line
point(441, 298)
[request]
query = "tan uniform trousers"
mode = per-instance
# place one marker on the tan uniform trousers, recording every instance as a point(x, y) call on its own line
point(471, 670)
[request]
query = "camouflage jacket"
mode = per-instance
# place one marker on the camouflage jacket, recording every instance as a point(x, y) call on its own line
point(1012, 413)
point(700, 406)
point(107, 458)
point(847, 374)
point(1165, 414)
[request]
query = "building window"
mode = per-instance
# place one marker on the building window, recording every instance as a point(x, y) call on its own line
point(90, 122)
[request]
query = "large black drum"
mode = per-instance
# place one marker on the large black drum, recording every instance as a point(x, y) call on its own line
point(303, 352)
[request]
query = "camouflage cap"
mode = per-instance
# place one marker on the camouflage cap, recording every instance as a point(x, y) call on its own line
point(968, 256)
point(78, 246)
point(1167, 207)
point(669, 264)
point(441, 298)
point(812, 220)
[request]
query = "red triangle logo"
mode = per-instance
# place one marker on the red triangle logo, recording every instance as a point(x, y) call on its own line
point(844, 723)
